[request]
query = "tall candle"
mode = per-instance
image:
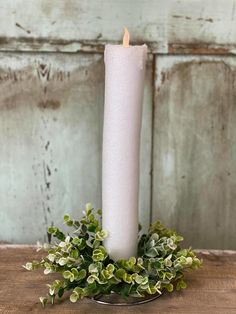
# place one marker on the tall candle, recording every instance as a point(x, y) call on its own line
point(124, 86)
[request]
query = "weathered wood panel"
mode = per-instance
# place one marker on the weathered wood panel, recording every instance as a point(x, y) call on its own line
point(210, 289)
point(146, 149)
point(51, 119)
point(194, 180)
point(167, 26)
point(51, 112)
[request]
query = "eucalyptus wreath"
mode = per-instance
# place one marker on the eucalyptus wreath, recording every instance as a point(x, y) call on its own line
point(86, 270)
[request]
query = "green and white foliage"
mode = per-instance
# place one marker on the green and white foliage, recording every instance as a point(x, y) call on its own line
point(86, 270)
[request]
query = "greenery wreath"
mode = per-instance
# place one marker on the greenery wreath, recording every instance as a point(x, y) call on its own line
point(86, 270)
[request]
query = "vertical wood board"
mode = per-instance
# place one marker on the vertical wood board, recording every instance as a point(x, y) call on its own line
point(194, 180)
point(51, 119)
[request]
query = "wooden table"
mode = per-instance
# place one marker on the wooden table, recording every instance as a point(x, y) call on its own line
point(212, 289)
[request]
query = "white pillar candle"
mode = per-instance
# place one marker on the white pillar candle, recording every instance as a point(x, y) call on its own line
point(124, 86)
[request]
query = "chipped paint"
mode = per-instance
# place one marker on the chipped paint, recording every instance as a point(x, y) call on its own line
point(51, 137)
point(167, 22)
point(49, 104)
point(181, 17)
point(52, 106)
point(194, 130)
point(201, 49)
point(21, 27)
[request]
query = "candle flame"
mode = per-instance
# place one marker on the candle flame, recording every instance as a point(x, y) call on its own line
point(126, 38)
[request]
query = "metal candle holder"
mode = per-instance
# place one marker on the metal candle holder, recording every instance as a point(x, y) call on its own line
point(116, 300)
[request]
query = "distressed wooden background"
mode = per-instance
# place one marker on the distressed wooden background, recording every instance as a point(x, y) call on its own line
point(51, 113)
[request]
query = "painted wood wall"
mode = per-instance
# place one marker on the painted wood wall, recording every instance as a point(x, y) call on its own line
point(51, 113)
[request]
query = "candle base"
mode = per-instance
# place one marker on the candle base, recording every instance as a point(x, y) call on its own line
point(116, 300)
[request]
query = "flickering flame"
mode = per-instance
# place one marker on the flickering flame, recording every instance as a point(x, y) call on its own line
point(126, 38)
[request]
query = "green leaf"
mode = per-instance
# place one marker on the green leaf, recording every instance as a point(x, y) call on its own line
point(69, 223)
point(43, 300)
point(101, 235)
point(138, 278)
point(66, 274)
point(84, 229)
point(74, 297)
point(132, 261)
point(91, 217)
point(93, 268)
point(170, 287)
point(75, 272)
point(60, 235)
point(74, 253)
point(144, 286)
point(151, 290)
point(52, 297)
point(62, 261)
point(28, 266)
point(127, 278)
point(98, 255)
point(96, 244)
point(76, 240)
point(179, 238)
point(72, 277)
point(82, 274)
point(110, 268)
point(60, 292)
point(167, 261)
point(92, 227)
point(51, 291)
point(91, 279)
point(99, 212)
point(155, 237)
point(88, 209)
point(145, 280)
point(47, 265)
point(152, 252)
point(120, 273)
point(102, 249)
point(57, 284)
point(82, 244)
point(51, 257)
point(66, 218)
point(52, 230)
point(181, 284)
point(47, 271)
point(79, 290)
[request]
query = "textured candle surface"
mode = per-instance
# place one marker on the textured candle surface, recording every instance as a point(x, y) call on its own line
point(124, 85)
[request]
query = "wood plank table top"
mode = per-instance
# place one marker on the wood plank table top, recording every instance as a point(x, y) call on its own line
point(212, 289)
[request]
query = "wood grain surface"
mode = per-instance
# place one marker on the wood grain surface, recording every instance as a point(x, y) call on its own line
point(212, 289)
